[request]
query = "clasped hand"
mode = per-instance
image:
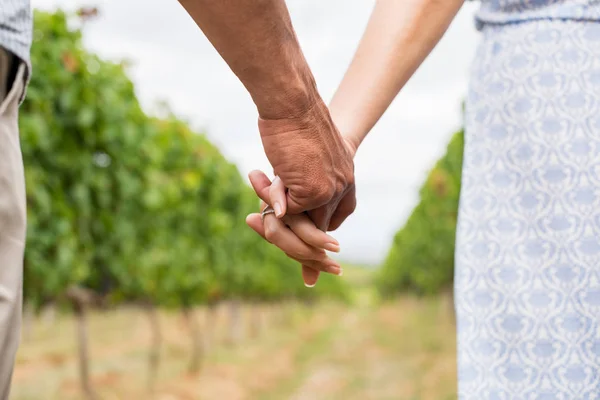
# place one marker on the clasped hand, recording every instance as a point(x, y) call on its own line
point(313, 191)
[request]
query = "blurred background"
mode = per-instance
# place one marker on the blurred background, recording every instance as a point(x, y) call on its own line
point(141, 278)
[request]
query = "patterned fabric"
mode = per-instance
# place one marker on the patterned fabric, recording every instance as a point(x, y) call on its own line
point(509, 11)
point(15, 28)
point(528, 238)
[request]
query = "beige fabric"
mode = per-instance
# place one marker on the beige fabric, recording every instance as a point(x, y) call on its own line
point(12, 220)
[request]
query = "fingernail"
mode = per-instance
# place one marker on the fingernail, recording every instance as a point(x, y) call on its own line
point(310, 286)
point(332, 240)
point(332, 247)
point(277, 208)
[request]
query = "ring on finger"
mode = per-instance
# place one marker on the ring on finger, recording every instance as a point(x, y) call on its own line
point(267, 210)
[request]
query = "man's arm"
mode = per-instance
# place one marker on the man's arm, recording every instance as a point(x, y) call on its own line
point(257, 40)
point(305, 149)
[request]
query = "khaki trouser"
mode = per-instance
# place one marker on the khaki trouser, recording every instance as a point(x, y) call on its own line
point(12, 217)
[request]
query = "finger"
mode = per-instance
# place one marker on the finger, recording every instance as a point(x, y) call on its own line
point(260, 183)
point(275, 232)
point(330, 266)
point(281, 236)
point(296, 205)
point(321, 217)
point(254, 222)
point(319, 266)
point(293, 207)
point(262, 205)
point(305, 229)
point(345, 208)
point(310, 276)
point(277, 197)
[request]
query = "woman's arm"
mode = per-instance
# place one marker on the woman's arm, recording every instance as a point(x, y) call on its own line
point(398, 38)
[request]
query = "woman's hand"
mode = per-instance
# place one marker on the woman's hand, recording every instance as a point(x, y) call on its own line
point(303, 225)
point(296, 235)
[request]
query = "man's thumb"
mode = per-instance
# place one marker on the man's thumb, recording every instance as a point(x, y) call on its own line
point(293, 206)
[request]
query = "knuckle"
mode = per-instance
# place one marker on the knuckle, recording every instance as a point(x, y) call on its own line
point(320, 256)
point(271, 234)
point(324, 193)
point(349, 177)
point(320, 185)
point(316, 192)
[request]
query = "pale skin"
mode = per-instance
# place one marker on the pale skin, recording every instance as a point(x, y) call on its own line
point(398, 38)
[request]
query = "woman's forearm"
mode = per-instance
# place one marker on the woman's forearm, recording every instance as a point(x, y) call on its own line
point(398, 38)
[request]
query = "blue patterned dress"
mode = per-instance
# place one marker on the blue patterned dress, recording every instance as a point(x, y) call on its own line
point(528, 239)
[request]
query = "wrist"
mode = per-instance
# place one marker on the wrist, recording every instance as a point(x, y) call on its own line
point(347, 125)
point(352, 144)
point(291, 94)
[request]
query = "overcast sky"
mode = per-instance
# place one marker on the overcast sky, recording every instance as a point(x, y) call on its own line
point(173, 61)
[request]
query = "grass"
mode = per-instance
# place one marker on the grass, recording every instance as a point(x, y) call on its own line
point(402, 349)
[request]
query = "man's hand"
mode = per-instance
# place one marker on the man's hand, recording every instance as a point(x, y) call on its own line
point(314, 163)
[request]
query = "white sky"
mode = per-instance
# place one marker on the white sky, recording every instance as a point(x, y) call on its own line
point(173, 61)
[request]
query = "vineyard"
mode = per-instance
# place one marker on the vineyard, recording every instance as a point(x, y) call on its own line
point(421, 259)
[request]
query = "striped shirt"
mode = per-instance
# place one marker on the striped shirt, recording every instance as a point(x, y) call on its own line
point(16, 28)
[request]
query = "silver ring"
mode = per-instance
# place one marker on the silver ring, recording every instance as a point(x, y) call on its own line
point(267, 210)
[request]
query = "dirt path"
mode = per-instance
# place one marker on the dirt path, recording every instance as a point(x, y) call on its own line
point(394, 351)
point(401, 350)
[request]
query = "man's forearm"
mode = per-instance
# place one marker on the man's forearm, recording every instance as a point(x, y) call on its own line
point(257, 40)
